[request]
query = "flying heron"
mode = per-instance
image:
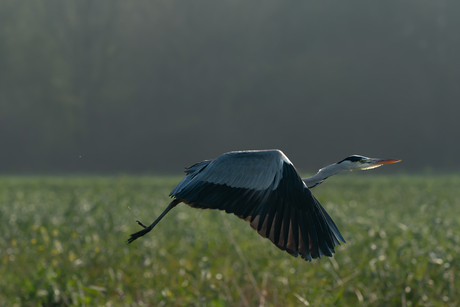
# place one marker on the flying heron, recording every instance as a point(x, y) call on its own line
point(264, 188)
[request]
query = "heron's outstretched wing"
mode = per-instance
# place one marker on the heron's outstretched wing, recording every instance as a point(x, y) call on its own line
point(263, 188)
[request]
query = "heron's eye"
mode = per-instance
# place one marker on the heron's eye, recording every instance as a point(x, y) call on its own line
point(362, 161)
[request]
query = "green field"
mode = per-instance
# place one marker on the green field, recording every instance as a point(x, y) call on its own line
point(63, 244)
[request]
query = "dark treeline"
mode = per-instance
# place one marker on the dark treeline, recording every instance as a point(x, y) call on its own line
point(154, 86)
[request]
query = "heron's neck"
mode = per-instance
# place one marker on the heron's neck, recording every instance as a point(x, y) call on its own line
point(322, 174)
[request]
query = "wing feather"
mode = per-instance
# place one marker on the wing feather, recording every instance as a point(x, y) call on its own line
point(294, 230)
point(270, 219)
point(286, 225)
point(305, 246)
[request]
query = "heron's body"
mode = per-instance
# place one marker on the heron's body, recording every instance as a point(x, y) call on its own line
point(264, 188)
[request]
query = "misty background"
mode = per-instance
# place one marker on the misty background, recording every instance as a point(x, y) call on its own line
point(115, 86)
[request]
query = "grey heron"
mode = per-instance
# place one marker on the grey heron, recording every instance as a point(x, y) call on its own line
point(264, 188)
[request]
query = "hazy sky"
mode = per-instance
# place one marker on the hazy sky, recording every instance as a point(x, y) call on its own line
point(154, 86)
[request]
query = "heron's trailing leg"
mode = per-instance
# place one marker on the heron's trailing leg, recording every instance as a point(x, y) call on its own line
point(147, 229)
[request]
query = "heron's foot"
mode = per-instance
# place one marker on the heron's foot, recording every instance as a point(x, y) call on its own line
point(141, 224)
point(138, 234)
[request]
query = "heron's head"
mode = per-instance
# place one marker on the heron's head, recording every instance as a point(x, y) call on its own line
point(356, 162)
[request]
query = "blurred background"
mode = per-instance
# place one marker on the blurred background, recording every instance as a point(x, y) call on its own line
point(114, 86)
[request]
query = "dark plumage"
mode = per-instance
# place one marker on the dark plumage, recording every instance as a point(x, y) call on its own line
point(353, 158)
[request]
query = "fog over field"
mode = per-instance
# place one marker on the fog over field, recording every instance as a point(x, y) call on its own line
point(154, 86)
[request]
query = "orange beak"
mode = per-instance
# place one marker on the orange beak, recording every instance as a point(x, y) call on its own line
point(384, 161)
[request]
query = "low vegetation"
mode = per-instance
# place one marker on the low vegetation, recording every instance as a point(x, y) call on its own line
point(63, 243)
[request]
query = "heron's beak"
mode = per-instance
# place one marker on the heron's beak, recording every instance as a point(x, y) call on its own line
point(384, 161)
